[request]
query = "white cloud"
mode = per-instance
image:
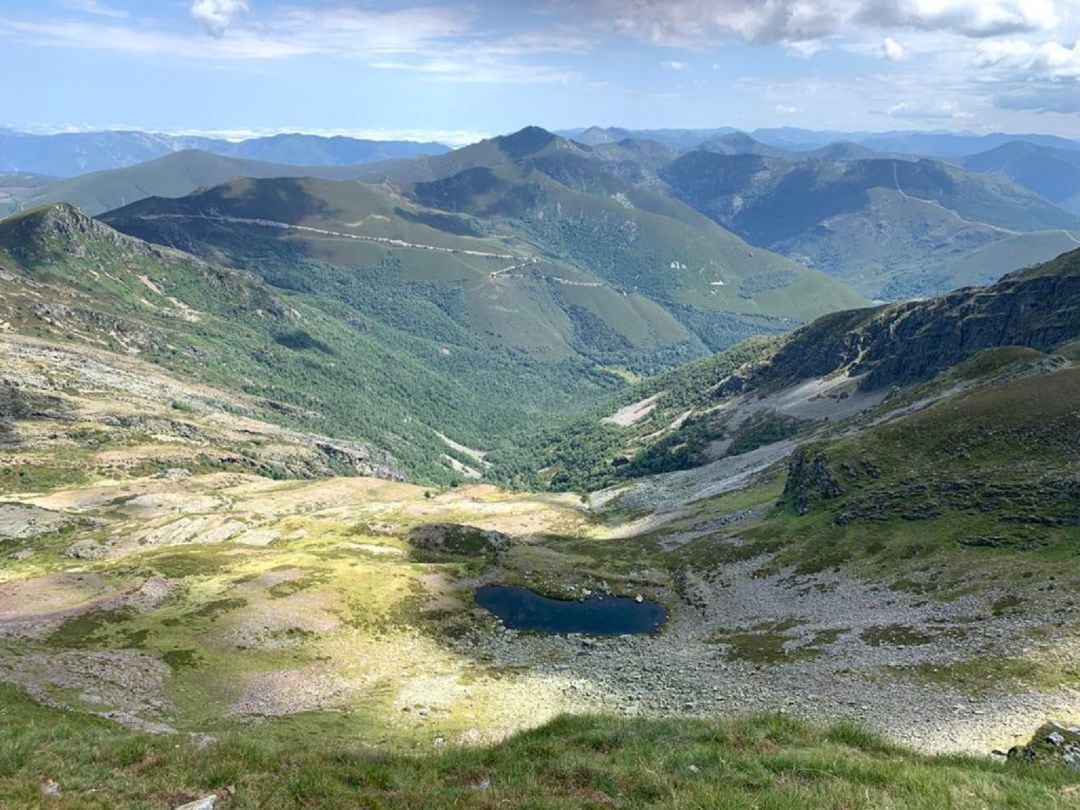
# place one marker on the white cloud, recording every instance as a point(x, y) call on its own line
point(438, 42)
point(94, 7)
point(804, 49)
point(1062, 100)
point(972, 18)
point(1021, 60)
point(785, 109)
point(674, 64)
point(705, 23)
point(971, 57)
point(216, 15)
point(893, 50)
point(928, 111)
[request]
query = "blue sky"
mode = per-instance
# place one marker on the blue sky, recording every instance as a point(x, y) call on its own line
point(456, 71)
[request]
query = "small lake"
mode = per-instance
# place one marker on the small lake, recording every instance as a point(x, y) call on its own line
point(601, 615)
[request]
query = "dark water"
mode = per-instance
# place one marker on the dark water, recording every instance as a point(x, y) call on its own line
point(522, 609)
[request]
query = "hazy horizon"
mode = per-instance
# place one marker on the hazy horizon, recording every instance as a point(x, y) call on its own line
point(454, 72)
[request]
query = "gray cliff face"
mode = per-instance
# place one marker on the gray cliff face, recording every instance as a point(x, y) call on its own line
point(907, 343)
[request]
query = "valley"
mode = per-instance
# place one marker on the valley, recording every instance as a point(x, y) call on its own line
point(541, 405)
point(360, 590)
point(178, 566)
point(274, 452)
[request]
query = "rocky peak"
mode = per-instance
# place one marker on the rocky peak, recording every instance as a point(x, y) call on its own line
point(57, 228)
point(525, 142)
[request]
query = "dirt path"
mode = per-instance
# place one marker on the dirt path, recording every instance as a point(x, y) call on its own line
point(382, 240)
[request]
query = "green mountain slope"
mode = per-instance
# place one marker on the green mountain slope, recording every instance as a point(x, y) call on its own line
point(17, 186)
point(580, 261)
point(173, 175)
point(766, 760)
point(635, 239)
point(439, 274)
point(765, 391)
point(317, 363)
point(994, 468)
point(891, 228)
point(1052, 173)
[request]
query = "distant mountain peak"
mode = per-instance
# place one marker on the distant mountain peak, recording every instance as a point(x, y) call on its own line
point(525, 142)
point(595, 135)
point(739, 143)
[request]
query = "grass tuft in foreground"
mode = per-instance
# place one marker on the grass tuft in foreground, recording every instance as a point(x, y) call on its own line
point(769, 761)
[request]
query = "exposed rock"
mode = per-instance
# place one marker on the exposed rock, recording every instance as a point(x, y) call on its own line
point(86, 549)
point(206, 803)
point(913, 341)
point(362, 459)
point(127, 685)
point(451, 538)
point(291, 691)
point(19, 521)
point(809, 480)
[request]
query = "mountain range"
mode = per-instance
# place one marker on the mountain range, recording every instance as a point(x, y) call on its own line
point(1051, 172)
point(942, 144)
point(263, 440)
point(890, 224)
point(858, 357)
point(71, 153)
point(495, 290)
point(891, 228)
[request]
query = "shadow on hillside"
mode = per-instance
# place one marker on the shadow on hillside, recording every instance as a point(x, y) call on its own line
point(16, 404)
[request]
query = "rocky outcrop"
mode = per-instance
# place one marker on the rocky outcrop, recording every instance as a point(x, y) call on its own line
point(1052, 743)
point(361, 459)
point(910, 342)
point(455, 539)
point(33, 235)
point(809, 480)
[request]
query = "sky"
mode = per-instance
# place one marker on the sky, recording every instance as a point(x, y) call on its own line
point(455, 72)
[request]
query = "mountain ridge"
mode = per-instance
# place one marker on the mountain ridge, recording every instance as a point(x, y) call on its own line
point(72, 153)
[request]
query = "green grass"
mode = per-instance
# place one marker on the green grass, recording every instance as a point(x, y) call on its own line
point(895, 635)
point(573, 762)
point(1038, 670)
point(954, 489)
point(771, 643)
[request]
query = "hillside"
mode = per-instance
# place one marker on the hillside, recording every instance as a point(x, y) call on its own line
point(762, 392)
point(678, 139)
point(865, 539)
point(318, 365)
point(173, 175)
point(183, 582)
point(1053, 174)
point(890, 228)
point(587, 263)
point(739, 143)
point(645, 763)
point(17, 186)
